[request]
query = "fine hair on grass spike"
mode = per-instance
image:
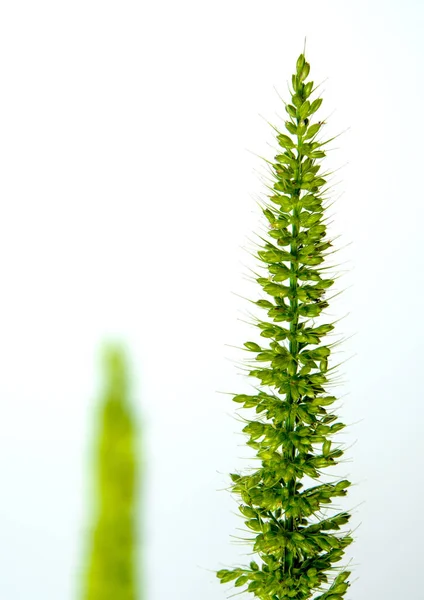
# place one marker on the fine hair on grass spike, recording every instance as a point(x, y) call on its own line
point(292, 433)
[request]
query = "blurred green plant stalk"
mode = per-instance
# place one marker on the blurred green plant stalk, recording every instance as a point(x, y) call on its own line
point(111, 571)
point(295, 424)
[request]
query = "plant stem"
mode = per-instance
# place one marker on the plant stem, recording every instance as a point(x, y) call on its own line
point(293, 349)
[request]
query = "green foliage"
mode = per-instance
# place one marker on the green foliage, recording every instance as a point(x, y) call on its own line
point(292, 432)
point(111, 574)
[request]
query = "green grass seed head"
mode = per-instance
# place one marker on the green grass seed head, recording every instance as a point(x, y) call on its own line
point(293, 428)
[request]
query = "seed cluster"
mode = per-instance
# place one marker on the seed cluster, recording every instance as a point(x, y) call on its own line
point(295, 544)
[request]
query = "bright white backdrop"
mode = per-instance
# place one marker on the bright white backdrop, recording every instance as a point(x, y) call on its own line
point(128, 175)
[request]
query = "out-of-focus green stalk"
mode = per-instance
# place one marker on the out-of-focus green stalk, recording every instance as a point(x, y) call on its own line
point(111, 572)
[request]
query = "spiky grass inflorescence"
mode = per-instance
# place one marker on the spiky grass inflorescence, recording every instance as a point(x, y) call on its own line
point(292, 433)
point(111, 568)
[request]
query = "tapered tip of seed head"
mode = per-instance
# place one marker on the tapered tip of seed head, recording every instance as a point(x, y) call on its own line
point(300, 64)
point(113, 361)
point(112, 355)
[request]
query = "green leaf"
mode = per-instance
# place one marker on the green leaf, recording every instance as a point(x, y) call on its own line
point(326, 447)
point(306, 148)
point(311, 260)
point(254, 429)
point(310, 202)
point(305, 72)
point(268, 333)
point(274, 256)
point(309, 219)
point(323, 365)
point(276, 290)
point(321, 352)
point(301, 128)
point(265, 356)
point(312, 130)
point(291, 127)
point(316, 233)
point(315, 105)
point(297, 100)
point(282, 186)
point(307, 177)
point(324, 401)
point(291, 367)
point(304, 109)
point(247, 511)
point(251, 402)
point(275, 234)
point(309, 310)
point(305, 370)
point(340, 588)
point(284, 159)
point(253, 524)
point(291, 110)
point(262, 280)
point(317, 154)
point(319, 181)
point(264, 304)
point(343, 576)
point(252, 346)
point(285, 202)
point(240, 398)
point(300, 63)
point(282, 273)
point(281, 222)
point(226, 576)
point(279, 333)
point(324, 284)
point(269, 215)
point(308, 89)
point(285, 141)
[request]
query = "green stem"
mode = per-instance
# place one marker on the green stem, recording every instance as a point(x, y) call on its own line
point(293, 347)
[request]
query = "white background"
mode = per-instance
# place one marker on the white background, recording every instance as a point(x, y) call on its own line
point(128, 183)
